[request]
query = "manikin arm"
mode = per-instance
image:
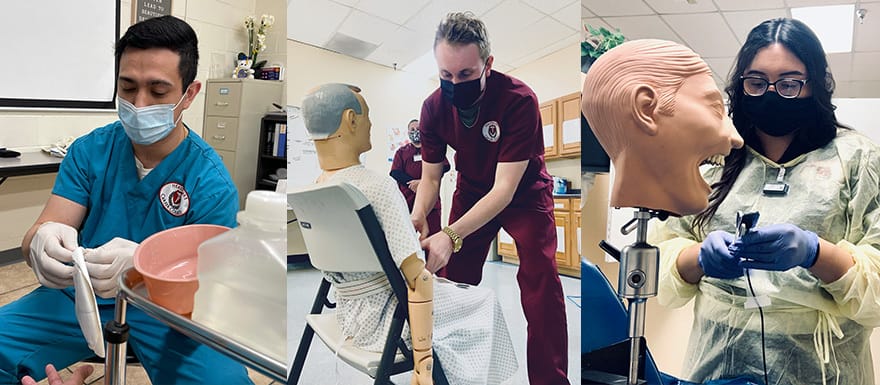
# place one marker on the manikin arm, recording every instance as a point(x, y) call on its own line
point(421, 320)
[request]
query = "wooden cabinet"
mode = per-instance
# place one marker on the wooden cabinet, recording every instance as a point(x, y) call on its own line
point(233, 112)
point(566, 214)
point(570, 125)
point(562, 126)
point(548, 119)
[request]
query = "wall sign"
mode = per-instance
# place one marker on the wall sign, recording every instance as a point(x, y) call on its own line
point(147, 9)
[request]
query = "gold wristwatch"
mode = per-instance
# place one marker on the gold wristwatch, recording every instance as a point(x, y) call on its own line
point(456, 239)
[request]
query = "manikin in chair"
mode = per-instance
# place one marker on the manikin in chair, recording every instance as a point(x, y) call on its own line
point(337, 119)
point(655, 109)
point(341, 150)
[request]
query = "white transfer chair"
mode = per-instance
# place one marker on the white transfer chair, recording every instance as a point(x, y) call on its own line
point(341, 209)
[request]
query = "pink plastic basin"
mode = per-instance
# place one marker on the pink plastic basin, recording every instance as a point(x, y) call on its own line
point(168, 262)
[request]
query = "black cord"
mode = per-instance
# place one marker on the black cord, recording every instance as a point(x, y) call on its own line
point(761, 313)
point(291, 221)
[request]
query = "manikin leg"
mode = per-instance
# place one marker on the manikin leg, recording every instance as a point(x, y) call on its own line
point(421, 319)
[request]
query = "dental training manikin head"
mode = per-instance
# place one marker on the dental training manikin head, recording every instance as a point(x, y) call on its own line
point(656, 110)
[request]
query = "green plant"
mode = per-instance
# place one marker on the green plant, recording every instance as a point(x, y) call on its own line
point(599, 41)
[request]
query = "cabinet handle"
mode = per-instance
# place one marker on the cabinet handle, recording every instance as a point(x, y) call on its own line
point(221, 104)
point(221, 124)
point(219, 137)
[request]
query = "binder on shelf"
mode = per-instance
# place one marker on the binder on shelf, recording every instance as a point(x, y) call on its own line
point(275, 132)
point(269, 144)
point(281, 143)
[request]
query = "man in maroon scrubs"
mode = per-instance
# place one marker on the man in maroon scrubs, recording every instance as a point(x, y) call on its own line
point(406, 169)
point(493, 122)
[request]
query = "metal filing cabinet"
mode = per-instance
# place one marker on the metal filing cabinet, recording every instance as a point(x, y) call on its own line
point(233, 109)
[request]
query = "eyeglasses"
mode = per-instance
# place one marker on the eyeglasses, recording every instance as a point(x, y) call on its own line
point(787, 88)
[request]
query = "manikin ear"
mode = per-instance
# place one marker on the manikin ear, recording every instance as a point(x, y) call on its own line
point(644, 105)
point(349, 120)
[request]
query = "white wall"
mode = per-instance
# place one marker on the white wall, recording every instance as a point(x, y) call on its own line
point(219, 26)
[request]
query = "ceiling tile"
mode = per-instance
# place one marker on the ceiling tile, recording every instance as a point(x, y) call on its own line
point(585, 13)
point(550, 49)
point(304, 26)
point(666, 6)
point(569, 16)
point(721, 66)
point(814, 3)
point(402, 47)
point(367, 27)
point(551, 6)
point(643, 27)
point(351, 46)
point(742, 5)
point(523, 42)
point(841, 66)
point(866, 33)
point(742, 22)
point(617, 8)
point(510, 15)
point(430, 16)
point(864, 66)
point(864, 89)
point(397, 11)
point(693, 29)
point(347, 3)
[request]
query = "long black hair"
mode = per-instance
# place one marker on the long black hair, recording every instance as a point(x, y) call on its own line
point(795, 36)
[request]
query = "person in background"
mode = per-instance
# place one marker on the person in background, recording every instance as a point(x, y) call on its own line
point(406, 169)
point(794, 300)
point(119, 184)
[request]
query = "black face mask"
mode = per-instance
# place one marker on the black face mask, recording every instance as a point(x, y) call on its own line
point(778, 116)
point(462, 95)
point(415, 137)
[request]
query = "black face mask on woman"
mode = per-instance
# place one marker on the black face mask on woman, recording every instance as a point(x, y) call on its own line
point(462, 95)
point(778, 116)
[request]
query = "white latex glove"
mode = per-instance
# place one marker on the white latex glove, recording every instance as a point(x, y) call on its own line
point(106, 262)
point(87, 313)
point(52, 246)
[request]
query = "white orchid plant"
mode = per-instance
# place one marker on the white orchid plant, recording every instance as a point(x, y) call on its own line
point(256, 35)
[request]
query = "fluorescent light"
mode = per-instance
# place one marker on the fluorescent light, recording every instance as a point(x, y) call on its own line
point(833, 25)
point(425, 65)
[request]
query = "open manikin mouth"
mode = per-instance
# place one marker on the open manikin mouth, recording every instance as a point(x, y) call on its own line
point(715, 160)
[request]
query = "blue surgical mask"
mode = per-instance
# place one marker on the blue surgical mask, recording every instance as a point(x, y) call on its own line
point(149, 124)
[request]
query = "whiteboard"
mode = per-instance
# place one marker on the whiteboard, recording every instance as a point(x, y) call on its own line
point(302, 159)
point(59, 54)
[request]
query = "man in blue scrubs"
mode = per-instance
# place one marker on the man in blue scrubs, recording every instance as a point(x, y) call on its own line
point(118, 185)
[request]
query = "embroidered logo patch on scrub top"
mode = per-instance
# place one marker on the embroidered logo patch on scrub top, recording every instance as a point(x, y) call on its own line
point(491, 131)
point(174, 198)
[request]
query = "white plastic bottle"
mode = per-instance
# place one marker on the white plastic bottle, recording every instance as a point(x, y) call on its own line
point(243, 277)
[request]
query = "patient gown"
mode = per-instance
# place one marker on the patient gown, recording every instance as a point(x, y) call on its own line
point(470, 335)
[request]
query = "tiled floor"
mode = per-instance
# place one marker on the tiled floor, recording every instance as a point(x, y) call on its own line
point(323, 368)
point(17, 280)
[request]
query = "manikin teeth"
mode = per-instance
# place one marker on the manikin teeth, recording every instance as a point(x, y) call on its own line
point(715, 160)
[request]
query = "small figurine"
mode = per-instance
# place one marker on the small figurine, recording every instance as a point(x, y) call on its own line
point(243, 69)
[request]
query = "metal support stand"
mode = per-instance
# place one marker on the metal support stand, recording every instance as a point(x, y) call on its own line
point(116, 335)
point(639, 266)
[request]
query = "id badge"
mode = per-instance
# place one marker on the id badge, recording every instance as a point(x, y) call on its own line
point(417, 158)
point(777, 188)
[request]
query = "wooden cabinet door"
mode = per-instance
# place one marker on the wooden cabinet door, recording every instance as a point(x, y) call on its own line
point(569, 123)
point(563, 223)
point(548, 120)
point(506, 247)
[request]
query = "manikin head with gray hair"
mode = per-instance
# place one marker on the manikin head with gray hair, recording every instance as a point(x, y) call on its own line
point(656, 110)
point(337, 119)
